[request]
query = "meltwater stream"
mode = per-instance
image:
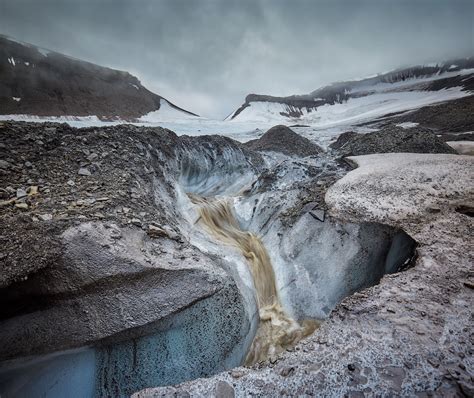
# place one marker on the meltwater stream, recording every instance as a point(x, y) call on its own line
point(277, 331)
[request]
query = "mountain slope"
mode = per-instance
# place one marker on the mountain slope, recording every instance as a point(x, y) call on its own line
point(360, 100)
point(34, 81)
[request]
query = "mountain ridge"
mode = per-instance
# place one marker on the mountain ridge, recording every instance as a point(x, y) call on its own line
point(40, 82)
point(432, 77)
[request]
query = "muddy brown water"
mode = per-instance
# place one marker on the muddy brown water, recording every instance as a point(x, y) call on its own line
point(277, 331)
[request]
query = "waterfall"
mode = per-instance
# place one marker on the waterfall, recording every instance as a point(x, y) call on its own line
point(277, 331)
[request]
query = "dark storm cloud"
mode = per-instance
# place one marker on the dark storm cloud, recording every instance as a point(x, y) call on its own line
point(207, 55)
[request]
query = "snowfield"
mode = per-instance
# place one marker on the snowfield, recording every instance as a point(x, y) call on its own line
point(354, 110)
point(166, 113)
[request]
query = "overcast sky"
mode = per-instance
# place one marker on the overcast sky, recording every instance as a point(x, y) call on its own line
point(207, 55)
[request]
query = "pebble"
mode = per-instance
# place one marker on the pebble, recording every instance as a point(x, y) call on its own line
point(46, 217)
point(136, 221)
point(224, 390)
point(92, 157)
point(33, 190)
point(71, 183)
point(22, 206)
point(287, 371)
point(83, 171)
point(20, 193)
point(155, 231)
point(237, 374)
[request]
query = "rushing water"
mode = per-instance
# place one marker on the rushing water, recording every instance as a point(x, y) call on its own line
point(277, 331)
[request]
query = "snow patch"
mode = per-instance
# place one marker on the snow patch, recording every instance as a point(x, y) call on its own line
point(11, 61)
point(86, 120)
point(407, 125)
point(43, 51)
point(398, 186)
point(165, 113)
point(17, 99)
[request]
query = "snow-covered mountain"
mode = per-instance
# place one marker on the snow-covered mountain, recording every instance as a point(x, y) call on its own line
point(36, 83)
point(356, 101)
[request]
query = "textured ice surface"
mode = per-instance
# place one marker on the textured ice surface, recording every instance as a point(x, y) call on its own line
point(198, 342)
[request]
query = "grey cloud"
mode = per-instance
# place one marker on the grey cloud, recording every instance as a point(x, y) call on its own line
point(207, 55)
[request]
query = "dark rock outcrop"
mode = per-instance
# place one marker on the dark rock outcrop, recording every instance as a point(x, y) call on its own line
point(391, 139)
point(448, 117)
point(284, 140)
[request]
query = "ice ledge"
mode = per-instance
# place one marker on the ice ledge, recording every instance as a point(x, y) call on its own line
point(395, 187)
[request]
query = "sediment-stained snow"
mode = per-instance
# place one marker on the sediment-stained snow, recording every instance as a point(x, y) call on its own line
point(392, 187)
point(462, 147)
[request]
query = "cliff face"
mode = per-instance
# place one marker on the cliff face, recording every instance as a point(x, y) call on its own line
point(35, 81)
